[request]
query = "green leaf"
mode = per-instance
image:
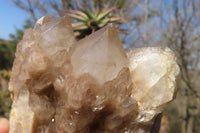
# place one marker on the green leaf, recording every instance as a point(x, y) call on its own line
point(120, 19)
point(103, 23)
point(105, 13)
point(83, 15)
point(79, 26)
point(89, 14)
point(77, 17)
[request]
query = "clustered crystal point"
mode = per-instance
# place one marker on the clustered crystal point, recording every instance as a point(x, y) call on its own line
point(60, 85)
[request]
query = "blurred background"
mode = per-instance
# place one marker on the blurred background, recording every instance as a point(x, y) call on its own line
point(171, 23)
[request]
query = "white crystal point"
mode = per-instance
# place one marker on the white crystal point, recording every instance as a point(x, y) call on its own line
point(55, 34)
point(154, 71)
point(100, 54)
point(42, 21)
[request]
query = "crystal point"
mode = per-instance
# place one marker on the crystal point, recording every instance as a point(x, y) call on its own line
point(154, 72)
point(100, 54)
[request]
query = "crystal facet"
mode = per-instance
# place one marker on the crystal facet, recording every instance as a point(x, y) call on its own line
point(59, 85)
point(154, 71)
point(101, 55)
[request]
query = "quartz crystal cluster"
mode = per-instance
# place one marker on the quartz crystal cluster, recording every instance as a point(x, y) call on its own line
point(60, 85)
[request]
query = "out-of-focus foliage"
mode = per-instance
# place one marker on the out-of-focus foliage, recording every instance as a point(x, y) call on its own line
point(5, 74)
point(5, 103)
point(7, 51)
point(5, 100)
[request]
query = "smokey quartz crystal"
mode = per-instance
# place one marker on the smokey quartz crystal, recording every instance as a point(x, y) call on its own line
point(60, 85)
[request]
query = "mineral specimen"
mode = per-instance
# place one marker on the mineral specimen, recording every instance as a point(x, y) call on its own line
point(59, 85)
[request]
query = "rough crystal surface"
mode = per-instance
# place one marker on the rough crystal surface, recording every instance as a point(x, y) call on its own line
point(153, 71)
point(59, 85)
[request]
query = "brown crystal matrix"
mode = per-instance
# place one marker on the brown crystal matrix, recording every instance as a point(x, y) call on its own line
point(59, 85)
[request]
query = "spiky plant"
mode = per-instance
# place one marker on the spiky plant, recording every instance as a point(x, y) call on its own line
point(87, 22)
